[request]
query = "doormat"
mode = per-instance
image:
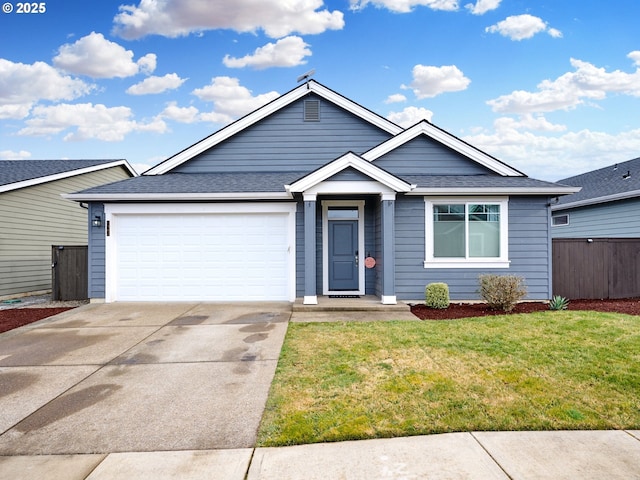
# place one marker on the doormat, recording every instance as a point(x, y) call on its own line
point(344, 296)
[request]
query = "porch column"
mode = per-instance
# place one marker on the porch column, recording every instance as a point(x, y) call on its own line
point(387, 212)
point(310, 296)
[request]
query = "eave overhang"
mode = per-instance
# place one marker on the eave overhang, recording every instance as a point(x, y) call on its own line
point(176, 197)
point(546, 191)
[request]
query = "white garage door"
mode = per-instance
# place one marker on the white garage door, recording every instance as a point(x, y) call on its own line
point(203, 257)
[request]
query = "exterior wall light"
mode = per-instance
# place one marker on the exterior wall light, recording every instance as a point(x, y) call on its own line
point(97, 221)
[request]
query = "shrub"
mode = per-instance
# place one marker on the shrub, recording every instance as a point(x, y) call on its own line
point(437, 295)
point(558, 303)
point(502, 292)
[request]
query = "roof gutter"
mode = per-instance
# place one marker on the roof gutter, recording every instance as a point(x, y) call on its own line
point(597, 200)
point(495, 190)
point(175, 197)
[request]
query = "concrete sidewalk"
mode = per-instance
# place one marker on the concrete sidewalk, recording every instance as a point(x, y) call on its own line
point(479, 455)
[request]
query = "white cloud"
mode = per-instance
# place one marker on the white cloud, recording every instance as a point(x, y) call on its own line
point(571, 89)
point(551, 157)
point(528, 122)
point(22, 85)
point(87, 121)
point(429, 81)
point(635, 56)
point(482, 6)
point(154, 84)
point(140, 168)
point(520, 27)
point(147, 63)
point(174, 18)
point(395, 98)
point(405, 6)
point(180, 114)
point(230, 99)
point(287, 52)
point(11, 155)
point(97, 57)
point(554, 32)
point(410, 116)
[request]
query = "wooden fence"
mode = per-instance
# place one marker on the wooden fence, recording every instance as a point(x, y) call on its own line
point(69, 275)
point(596, 268)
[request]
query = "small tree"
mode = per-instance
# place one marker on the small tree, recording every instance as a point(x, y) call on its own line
point(502, 292)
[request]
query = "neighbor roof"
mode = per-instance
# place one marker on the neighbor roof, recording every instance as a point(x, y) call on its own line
point(615, 182)
point(16, 174)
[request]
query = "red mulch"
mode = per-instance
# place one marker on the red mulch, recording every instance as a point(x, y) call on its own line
point(630, 306)
point(17, 317)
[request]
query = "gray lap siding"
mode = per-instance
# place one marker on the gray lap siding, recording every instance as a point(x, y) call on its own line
point(96, 253)
point(528, 252)
point(285, 142)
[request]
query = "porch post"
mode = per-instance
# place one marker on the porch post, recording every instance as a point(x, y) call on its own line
point(310, 295)
point(387, 211)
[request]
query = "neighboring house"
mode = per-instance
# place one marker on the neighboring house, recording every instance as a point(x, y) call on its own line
point(608, 206)
point(596, 234)
point(313, 194)
point(34, 216)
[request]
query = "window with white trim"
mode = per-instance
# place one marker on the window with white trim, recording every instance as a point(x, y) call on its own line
point(464, 233)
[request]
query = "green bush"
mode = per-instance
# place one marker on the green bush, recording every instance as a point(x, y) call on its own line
point(437, 295)
point(502, 292)
point(558, 303)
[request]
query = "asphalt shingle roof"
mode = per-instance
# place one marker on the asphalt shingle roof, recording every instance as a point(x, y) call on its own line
point(475, 181)
point(12, 171)
point(612, 180)
point(244, 182)
point(236, 182)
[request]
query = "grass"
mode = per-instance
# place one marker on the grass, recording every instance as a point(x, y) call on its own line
point(541, 371)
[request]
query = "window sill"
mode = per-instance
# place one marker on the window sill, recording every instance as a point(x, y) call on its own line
point(466, 263)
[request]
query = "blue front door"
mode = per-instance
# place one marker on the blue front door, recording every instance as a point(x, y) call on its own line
point(343, 255)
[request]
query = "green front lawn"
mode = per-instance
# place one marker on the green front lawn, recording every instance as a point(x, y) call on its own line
point(540, 371)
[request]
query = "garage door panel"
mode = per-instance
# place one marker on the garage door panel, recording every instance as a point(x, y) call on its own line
point(213, 257)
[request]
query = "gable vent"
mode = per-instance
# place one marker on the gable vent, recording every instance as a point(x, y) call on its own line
point(312, 110)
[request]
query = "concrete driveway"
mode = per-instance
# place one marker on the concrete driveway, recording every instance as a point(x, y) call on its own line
point(134, 377)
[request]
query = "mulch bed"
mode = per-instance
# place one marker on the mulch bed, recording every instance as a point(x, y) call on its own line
point(17, 317)
point(629, 306)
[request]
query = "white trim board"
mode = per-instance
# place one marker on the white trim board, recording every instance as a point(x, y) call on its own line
point(325, 246)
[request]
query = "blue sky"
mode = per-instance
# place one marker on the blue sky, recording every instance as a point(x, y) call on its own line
point(551, 87)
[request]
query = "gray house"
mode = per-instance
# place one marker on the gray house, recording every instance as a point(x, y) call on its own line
point(608, 206)
point(34, 216)
point(596, 234)
point(311, 195)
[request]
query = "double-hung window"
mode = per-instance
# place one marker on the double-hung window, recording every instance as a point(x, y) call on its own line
point(466, 233)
